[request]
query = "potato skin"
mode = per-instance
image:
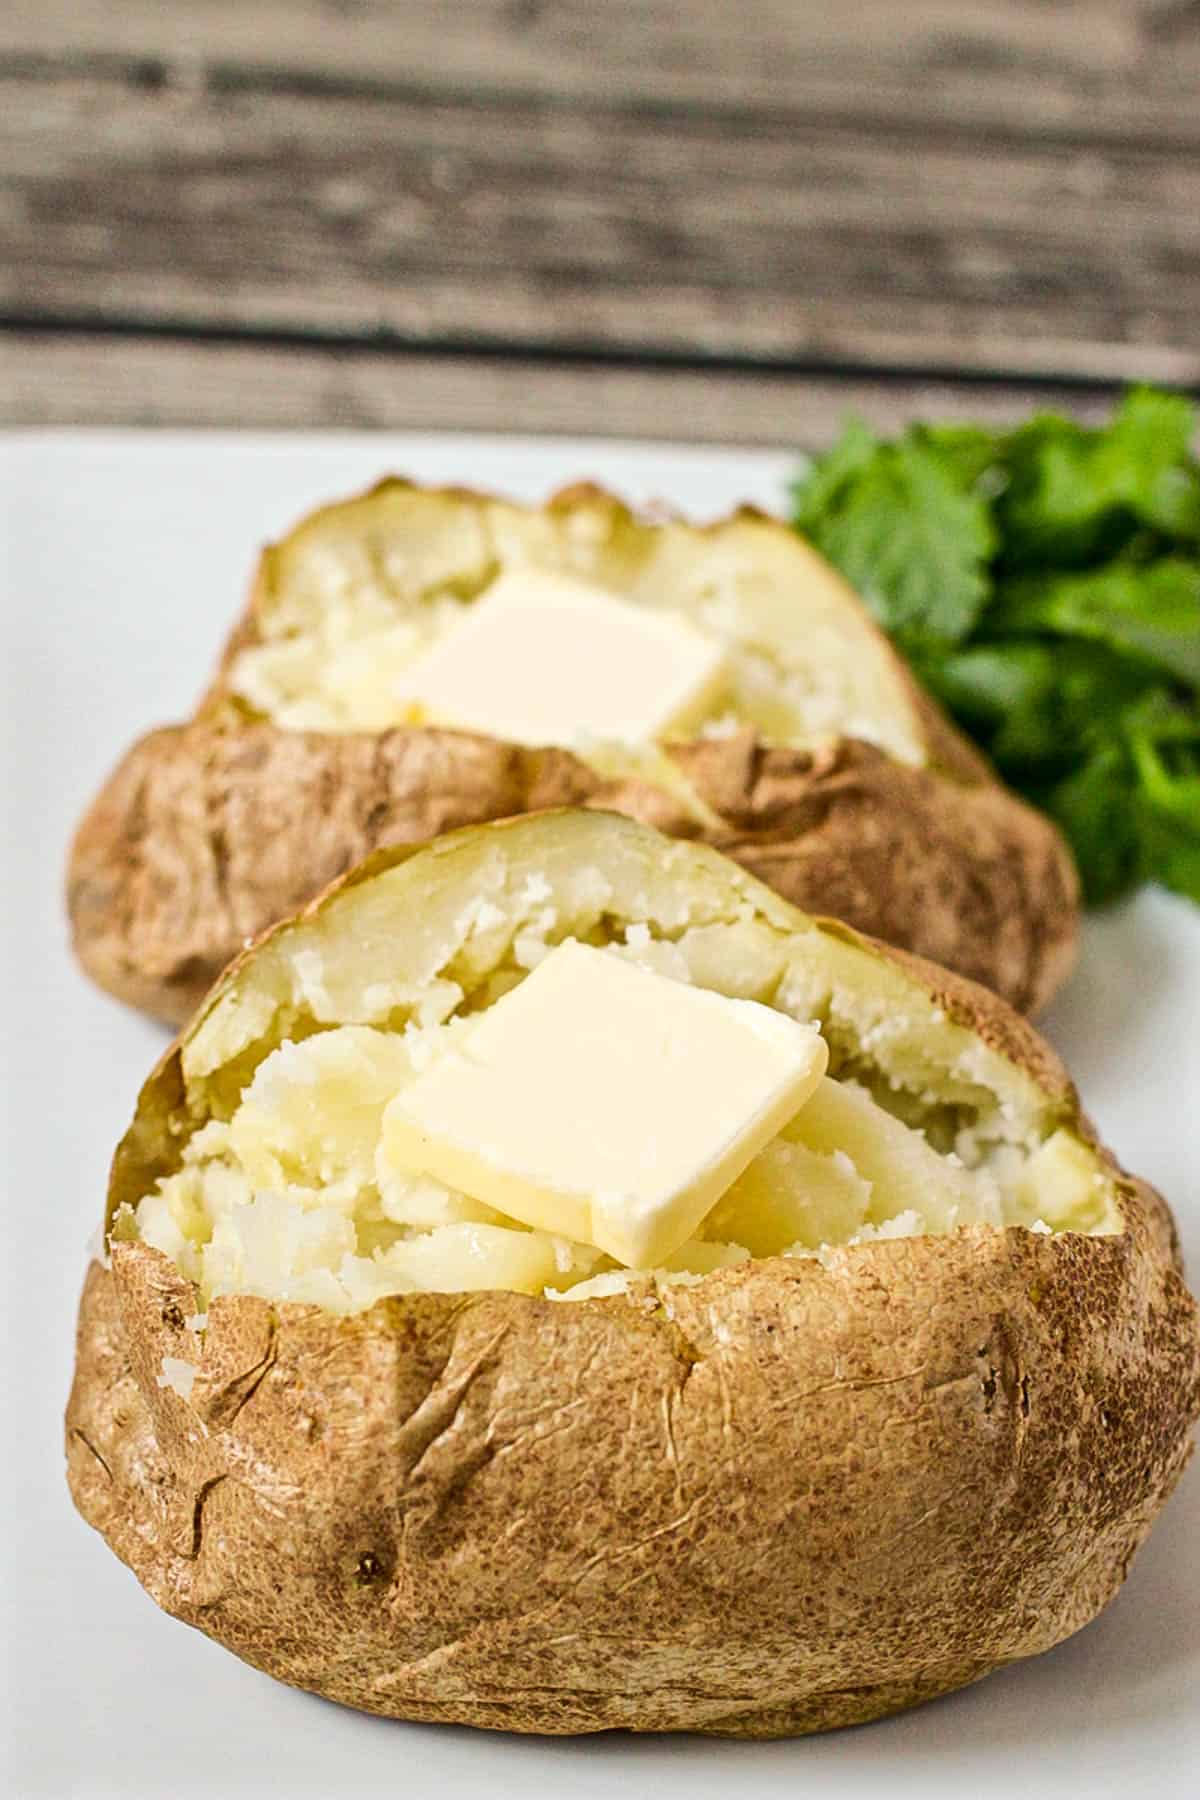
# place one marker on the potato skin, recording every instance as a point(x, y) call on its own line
point(208, 832)
point(796, 1495)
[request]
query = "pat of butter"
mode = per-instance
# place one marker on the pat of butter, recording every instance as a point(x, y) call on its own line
point(605, 1103)
point(544, 658)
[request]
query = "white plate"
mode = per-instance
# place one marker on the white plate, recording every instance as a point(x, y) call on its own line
point(126, 559)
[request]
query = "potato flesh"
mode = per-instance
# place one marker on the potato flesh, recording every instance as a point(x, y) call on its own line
point(312, 1113)
point(896, 1163)
point(393, 969)
point(357, 595)
point(293, 1200)
point(1061, 1187)
point(792, 1196)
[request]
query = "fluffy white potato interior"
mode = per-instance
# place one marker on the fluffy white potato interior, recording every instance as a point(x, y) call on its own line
point(291, 1198)
point(358, 594)
point(280, 1188)
point(791, 1195)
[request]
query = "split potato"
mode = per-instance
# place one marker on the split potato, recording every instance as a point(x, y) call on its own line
point(899, 1413)
point(822, 768)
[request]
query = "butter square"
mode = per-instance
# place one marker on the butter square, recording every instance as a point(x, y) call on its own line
point(545, 658)
point(604, 1102)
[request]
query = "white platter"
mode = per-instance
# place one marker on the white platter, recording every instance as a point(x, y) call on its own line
point(122, 561)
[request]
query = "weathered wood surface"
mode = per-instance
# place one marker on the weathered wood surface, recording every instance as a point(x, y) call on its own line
point(935, 187)
point(1099, 67)
point(139, 382)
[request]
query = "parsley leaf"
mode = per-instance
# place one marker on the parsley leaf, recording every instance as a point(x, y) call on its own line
point(1149, 610)
point(1045, 582)
point(823, 486)
point(1094, 808)
point(1075, 496)
point(1164, 740)
point(1096, 812)
point(1035, 706)
point(969, 455)
point(904, 531)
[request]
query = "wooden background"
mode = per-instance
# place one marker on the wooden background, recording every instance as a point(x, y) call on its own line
point(718, 219)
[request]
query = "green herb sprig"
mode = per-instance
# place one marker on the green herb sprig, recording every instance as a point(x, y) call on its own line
point(1045, 583)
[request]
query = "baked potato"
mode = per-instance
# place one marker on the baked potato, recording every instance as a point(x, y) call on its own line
point(898, 1413)
point(823, 768)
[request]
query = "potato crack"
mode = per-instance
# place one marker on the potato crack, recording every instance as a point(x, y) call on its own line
point(435, 1417)
point(198, 1506)
point(88, 1445)
point(229, 1401)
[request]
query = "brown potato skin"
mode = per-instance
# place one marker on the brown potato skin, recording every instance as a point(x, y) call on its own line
point(808, 1497)
point(208, 832)
point(796, 1495)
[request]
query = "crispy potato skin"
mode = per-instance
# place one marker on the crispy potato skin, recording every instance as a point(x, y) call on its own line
point(793, 1496)
point(208, 832)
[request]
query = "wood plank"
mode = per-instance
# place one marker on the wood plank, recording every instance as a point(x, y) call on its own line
point(1123, 66)
point(441, 219)
point(144, 382)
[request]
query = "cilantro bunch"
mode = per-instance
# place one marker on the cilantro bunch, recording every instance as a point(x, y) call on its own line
point(1045, 583)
